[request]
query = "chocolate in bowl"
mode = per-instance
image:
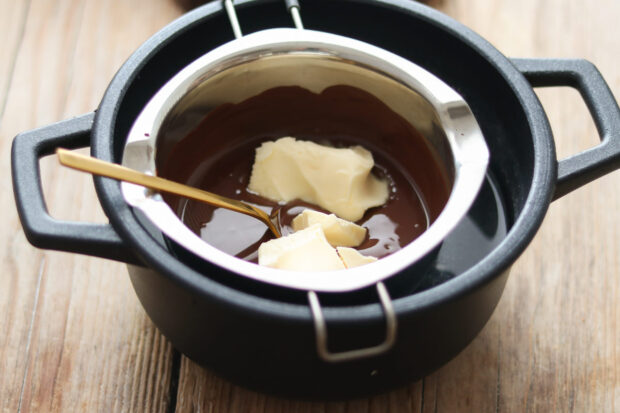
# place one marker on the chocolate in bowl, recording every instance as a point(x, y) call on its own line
point(218, 154)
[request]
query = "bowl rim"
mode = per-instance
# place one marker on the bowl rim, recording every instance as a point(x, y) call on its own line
point(463, 136)
point(495, 263)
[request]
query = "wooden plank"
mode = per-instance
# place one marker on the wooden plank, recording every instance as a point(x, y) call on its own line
point(22, 265)
point(202, 391)
point(15, 307)
point(74, 334)
point(12, 21)
point(553, 342)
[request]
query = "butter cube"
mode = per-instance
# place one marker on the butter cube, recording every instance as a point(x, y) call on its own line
point(352, 258)
point(339, 232)
point(336, 179)
point(305, 250)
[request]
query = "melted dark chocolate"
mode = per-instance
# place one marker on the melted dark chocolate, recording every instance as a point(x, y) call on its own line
point(218, 155)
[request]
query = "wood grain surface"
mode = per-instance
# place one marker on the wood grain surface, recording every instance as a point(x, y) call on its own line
point(73, 336)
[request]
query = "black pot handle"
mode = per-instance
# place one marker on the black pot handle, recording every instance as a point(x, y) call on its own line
point(582, 75)
point(43, 231)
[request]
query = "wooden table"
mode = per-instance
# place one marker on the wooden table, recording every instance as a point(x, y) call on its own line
point(73, 336)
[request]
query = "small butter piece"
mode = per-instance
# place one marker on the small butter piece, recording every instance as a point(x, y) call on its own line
point(305, 250)
point(336, 179)
point(352, 258)
point(339, 232)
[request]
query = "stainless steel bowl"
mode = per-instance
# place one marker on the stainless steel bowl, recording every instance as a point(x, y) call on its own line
point(313, 60)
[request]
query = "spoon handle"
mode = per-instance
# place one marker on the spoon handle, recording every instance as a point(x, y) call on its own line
point(111, 170)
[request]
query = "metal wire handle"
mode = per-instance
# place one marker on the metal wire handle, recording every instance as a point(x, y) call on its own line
point(320, 328)
point(232, 16)
point(291, 5)
point(293, 8)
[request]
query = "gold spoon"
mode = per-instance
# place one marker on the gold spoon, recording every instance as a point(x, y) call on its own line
point(98, 167)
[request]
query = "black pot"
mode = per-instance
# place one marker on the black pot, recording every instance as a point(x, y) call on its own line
point(266, 341)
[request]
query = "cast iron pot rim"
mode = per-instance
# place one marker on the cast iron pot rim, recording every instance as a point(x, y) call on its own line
point(160, 259)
